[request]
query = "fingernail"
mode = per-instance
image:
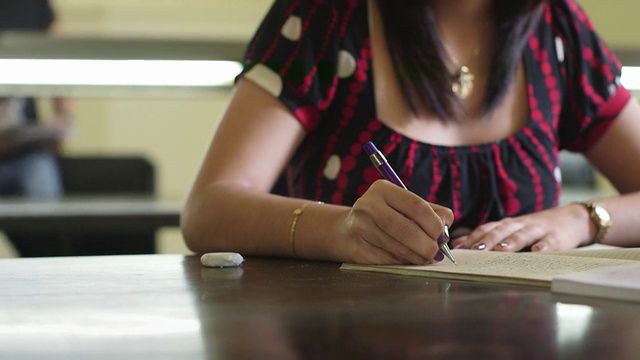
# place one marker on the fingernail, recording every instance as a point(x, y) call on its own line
point(538, 247)
point(439, 256)
point(504, 244)
point(480, 246)
point(461, 246)
point(441, 239)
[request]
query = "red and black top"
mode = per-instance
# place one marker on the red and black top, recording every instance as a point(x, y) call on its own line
point(315, 56)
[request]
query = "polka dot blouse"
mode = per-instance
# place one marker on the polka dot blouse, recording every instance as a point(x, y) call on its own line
point(315, 57)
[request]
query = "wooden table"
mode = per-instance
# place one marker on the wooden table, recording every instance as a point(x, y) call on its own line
point(170, 307)
point(91, 213)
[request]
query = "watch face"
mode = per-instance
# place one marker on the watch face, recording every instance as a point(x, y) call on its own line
point(602, 213)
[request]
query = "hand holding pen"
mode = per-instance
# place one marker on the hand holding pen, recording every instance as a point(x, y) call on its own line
point(380, 162)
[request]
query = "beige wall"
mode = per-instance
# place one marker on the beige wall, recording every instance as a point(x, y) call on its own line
point(171, 132)
point(234, 19)
point(617, 21)
point(174, 132)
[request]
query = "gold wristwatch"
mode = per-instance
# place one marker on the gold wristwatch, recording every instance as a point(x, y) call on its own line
point(600, 216)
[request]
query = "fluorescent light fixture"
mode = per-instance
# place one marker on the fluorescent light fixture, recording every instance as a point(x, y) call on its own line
point(631, 77)
point(149, 73)
point(168, 73)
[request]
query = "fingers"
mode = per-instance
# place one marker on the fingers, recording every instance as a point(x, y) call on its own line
point(520, 239)
point(445, 214)
point(422, 223)
point(553, 229)
point(385, 230)
point(431, 218)
point(369, 254)
point(545, 244)
point(475, 240)
point(506, 235)
point(541, 240)
point(398, 221)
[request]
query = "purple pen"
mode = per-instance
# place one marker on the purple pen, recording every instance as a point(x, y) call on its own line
point(380, 162)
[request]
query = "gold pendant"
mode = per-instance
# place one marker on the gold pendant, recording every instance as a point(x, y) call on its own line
point(462, 84)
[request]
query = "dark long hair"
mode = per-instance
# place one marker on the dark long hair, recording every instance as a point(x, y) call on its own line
point(418, 55)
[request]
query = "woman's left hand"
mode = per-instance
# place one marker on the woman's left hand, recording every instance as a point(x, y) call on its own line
point(560, 228)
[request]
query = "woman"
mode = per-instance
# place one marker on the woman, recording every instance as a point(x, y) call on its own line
point(470, 101)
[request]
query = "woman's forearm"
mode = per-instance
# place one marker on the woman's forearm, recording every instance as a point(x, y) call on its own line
point(625, 228)
point(233, 218)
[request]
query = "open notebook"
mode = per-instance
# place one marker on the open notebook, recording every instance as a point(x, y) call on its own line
point(536, 269)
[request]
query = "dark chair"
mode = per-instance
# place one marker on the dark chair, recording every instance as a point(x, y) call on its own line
point(107, 176)
point(102, 177)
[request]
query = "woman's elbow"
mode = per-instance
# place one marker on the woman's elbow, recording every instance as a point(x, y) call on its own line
point(192, 232)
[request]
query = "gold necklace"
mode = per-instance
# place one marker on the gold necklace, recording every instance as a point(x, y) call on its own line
point(462, 79)
point(462, 82)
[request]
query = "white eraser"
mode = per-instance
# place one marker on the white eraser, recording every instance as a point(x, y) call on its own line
point(221, 259)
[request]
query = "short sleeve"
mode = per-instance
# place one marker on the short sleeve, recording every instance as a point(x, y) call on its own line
point(294, 55)
point(595, 95)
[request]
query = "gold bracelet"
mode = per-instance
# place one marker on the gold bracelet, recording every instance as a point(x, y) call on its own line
point(292, 240)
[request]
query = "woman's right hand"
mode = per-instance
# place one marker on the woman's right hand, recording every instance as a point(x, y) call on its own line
point(390, 225)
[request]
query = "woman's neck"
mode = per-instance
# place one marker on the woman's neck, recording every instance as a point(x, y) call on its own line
point(466, 30)
point(463, 17)
point(463, 11)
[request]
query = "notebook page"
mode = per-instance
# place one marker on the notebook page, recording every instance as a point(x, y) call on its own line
point(616, 253)
point(491, 266)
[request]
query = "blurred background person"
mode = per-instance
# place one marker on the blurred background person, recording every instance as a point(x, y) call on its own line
point(29, 145)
